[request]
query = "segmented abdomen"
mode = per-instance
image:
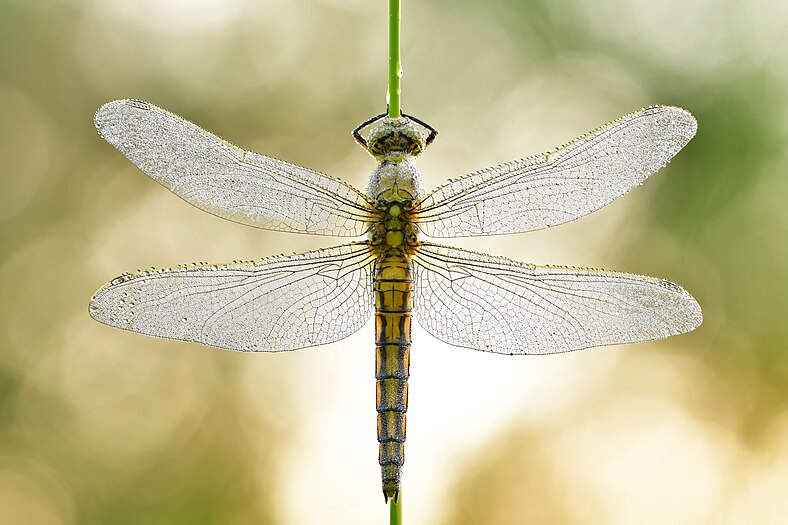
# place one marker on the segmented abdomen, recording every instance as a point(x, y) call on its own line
point(393, 287)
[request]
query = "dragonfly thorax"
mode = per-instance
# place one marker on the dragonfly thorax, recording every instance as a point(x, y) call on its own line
point(395, 139)
point(396, 187)
point(395, 231)
point(395, 182)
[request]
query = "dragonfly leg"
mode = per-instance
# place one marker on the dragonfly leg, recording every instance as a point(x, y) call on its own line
point(357, 132)
point(433, 131)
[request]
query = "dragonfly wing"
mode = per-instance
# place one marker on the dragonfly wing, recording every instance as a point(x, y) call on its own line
point(271, 305)
point(230, 182)
point(561, 185)
point(499, 305)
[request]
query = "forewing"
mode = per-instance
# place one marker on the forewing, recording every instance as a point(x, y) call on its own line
point(561, 185)
point(499, 305)
point(271, 305)
point(230, 182)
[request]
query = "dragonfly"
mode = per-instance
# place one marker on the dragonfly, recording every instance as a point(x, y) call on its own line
point(392, 269)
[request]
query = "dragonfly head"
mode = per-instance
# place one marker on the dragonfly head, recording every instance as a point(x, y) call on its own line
point(394, 139)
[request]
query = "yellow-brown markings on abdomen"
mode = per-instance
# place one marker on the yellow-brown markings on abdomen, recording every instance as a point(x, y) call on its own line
point(393, 287)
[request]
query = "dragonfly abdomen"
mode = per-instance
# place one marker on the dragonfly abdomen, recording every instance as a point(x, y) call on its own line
point(393, 287)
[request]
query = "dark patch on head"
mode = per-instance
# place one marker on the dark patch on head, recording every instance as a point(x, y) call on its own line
point(395, 138)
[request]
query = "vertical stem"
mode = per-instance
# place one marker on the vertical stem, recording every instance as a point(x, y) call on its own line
point(395, 511)
point(395, 66)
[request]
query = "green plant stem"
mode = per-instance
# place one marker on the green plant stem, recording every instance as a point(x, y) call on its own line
point(395, 66)
point(395, 512)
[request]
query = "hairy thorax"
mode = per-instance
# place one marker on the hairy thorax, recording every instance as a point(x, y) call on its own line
point(396, 186)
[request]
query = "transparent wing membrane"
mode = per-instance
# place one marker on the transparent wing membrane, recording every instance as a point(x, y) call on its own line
point(230, 182)
point(271, 305)
point(499, 305)
point(561, 185)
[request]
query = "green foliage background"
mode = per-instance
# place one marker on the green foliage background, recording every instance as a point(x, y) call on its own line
point(103, 427)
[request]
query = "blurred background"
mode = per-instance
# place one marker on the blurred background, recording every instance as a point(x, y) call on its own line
point(100, 426)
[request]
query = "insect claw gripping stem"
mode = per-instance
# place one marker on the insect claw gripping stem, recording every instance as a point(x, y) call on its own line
point(433, 131)
point(357, 132)
point(394, 496)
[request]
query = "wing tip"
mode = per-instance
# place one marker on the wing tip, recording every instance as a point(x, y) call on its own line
point(107, 300)
point(97, 309)
point(695, 314)
point(679, 115)
point(687, 311)
point(688, 119)
point(103, 113)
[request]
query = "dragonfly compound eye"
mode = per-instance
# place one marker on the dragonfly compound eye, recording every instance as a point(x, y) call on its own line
point(395, 139)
